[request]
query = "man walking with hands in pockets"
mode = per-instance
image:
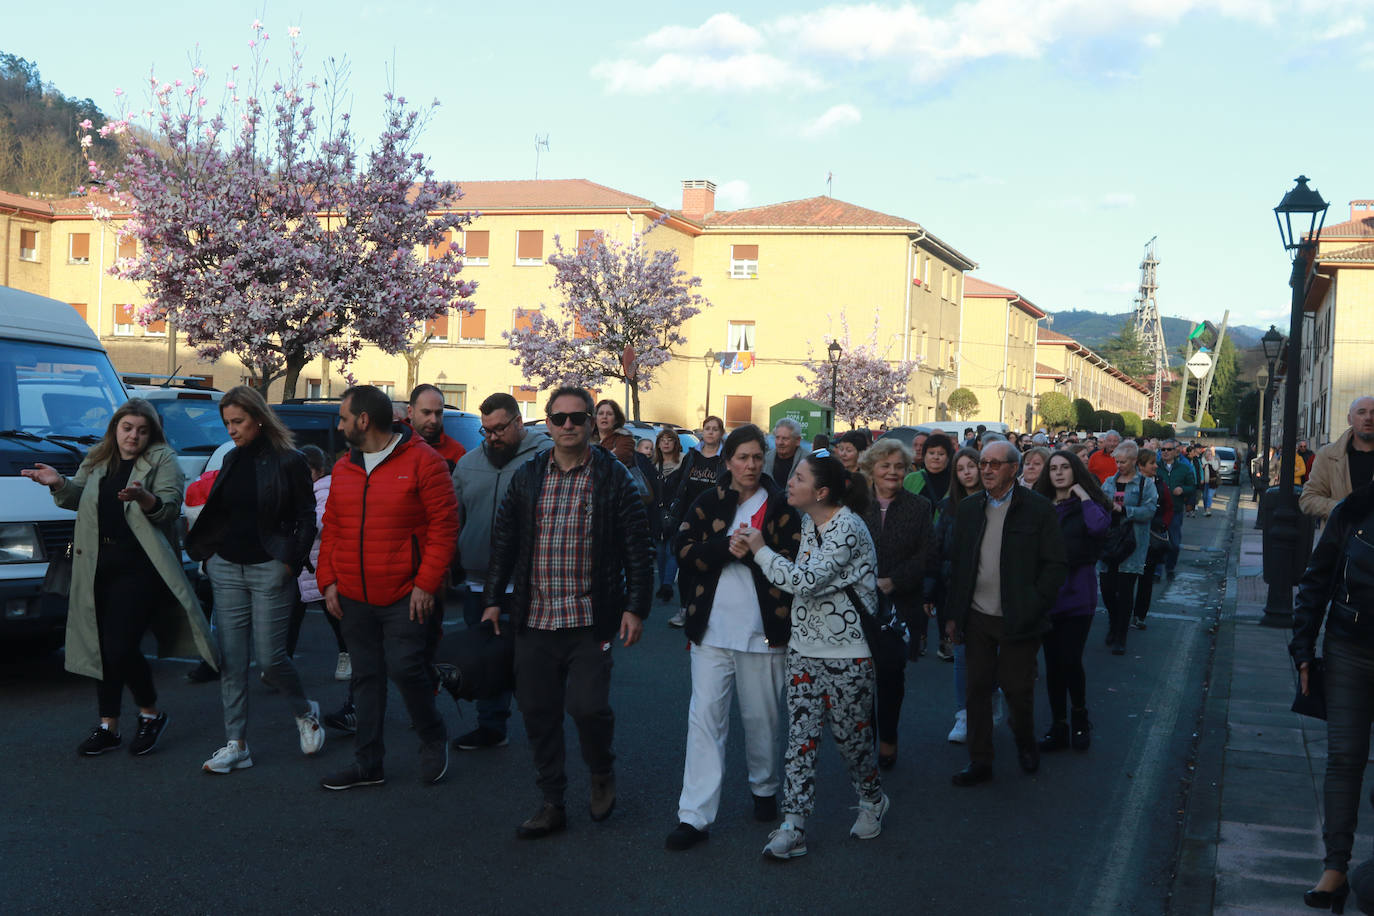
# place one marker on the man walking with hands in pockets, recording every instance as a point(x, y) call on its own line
point(572, 538)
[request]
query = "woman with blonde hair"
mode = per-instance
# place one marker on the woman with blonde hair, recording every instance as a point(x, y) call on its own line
point(255, 535)
point(126, 571)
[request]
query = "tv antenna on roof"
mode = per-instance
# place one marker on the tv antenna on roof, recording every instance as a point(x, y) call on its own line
point(829, 178)
point(540, 142)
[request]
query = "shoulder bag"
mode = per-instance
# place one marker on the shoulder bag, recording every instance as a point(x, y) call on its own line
point(58, 579)
point(885, 641)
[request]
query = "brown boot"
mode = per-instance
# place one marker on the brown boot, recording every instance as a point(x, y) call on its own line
point(550, 819)
point(603, 796)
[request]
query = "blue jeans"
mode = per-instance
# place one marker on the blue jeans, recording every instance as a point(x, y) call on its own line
point(1175, 540)
point(667, 564)
point(1207, 494)
point(253, 604)
point(491, 713)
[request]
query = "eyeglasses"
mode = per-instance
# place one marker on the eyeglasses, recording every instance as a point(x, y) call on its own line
point(492, 432)
point(1167, 448)
point(993, 463)
point(578, 418)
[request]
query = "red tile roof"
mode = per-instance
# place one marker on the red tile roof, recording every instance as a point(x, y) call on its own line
point(1045, 371)
point(1362, 228)
point(1363, 252)
point(982, 289)
point(1049, 336)
point(813, 212)
point(545, 194)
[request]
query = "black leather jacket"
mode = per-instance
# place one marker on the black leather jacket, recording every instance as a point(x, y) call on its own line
point(622, 551)
point(286, 509)
point(1340, 574)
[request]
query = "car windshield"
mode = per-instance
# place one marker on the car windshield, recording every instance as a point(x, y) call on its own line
point(192, 427)
point(1225, 454)
point(53, 390)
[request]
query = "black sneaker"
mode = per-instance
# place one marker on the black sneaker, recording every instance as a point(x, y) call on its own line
point(202, 674)
point(345, 720)
point(149, 730)
point(352, 778)
point(433, 761)
point(100, 741)
point(451, 679)
point(480, 739)
point(684, 836)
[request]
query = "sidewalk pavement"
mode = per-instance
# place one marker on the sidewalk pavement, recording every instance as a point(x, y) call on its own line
point(1252, 832)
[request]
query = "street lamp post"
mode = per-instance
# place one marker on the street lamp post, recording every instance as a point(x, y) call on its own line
point(710, 360)
point(835, 352)
point(1300, 216)
point(1272, 343)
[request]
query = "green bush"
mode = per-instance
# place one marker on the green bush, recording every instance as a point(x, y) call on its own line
point(1082, 413)
point(963, 402)
point(1131, 424)
point(1055, 409)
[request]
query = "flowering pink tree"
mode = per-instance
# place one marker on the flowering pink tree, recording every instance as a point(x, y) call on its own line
point(622, 313)
point(870, 387)
point(263, 233)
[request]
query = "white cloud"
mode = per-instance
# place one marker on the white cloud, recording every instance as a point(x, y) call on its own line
point(740, 72)
point(834, 117)
point(1153, 40)
point(732, 195)
point(722, 32)
point(1116, 200)
point(1344, 29)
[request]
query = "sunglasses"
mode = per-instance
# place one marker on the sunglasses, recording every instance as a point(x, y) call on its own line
point(578, 418)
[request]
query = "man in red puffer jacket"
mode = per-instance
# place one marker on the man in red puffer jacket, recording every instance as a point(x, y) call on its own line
point(389, 533)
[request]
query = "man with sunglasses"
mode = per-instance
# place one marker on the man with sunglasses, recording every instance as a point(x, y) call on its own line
point(1008, 565)
point(481, 480)
point(1178, 475)
point(572, 539)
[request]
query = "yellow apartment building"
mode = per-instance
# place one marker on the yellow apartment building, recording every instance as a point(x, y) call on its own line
point(1338, 343)
point(781, 280)
point(1065, 365)
point(997, 352)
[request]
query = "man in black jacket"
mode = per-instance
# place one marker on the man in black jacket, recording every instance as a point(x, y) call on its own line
point(1008, 565)
point(572, 538)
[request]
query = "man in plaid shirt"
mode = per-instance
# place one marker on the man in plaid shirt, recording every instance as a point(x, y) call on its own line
point(573, 541)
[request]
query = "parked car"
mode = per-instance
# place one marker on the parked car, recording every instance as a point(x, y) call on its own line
point(190, 421)
point(640, 429)
point(1230, 464)
point(316, 422)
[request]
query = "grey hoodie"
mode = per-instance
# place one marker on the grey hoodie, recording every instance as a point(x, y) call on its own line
point(481, 486)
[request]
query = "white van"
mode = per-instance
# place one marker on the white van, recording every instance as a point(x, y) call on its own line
point(57, 394)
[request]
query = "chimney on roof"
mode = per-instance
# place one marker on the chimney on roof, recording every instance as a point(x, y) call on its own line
point(698, 198)
point(1359, 209)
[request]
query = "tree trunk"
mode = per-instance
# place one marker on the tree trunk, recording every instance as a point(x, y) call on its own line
point(295, 362)
point(634, 398)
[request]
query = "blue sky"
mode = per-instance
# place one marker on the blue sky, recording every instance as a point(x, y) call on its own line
point(1046, 139)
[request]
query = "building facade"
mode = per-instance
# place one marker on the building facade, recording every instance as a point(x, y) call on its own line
point(1068, 367)
point(997, 352)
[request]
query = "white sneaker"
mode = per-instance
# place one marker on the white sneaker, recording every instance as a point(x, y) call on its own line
point(787, 842)
point(233, 756)
point(869, 823)
point(959, 733)
point(343, 671)
point(678, 620)
point(999, 708)
point(312, 735)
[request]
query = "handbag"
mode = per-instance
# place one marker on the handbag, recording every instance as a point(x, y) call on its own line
point(885, 642)
point(1159, 545)
point(1314, 703)
point(58, 579)
point(1119, 543)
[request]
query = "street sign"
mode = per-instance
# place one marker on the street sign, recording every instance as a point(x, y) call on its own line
point(1199, 363)
point(1197, 331)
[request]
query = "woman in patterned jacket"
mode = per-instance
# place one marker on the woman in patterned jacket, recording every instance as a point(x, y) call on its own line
point(829, 666)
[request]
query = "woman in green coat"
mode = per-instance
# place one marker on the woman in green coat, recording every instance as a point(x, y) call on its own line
point(126, 571)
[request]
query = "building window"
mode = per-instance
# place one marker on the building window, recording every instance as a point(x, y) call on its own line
point(314, 389)
point(128, 247)
point(436, 329)
point(739, 336)
point(476, 246)
point(388, 388)
point(925, 271)
point(586, 237)
point(124, 320)
point(739, 409)
point(474, 326)
point(80, 309)
point(527, 398)
point(442, 247)
point(156, 329)
point(454, 395)
point(744, 261)
point(522, 319)
point(79, 248)
point(529, 246)
point(28, 244)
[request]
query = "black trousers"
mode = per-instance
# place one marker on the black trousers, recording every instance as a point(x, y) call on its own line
point(293, 633)
point(127, 589)
point(889, 689)
point(559, 671)
point(1349, 712)
point(1064, 662)
point(993, 661)
point(1145, 591)
point(384, 641)
point(1118, 594)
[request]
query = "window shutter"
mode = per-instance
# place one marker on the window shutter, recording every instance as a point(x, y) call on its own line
point(530, 244)
point(128, 248)
point(474, 326)
point(28, 241)
point(580, 332)
point(437, 327)
point(81, 246)
point(440, 248)
point(584, 236)
point(745, 252)
point(522, 319)
point(124, 314)
point(524, 393)
point(477, 243)
point(739, 409)
point(157, 327)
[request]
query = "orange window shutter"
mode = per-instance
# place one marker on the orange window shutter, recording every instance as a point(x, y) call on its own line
point(440, 248)
point(80, 309)
point(739, 409)
point(475, 325)
point(81, 246)
point(524, 393)
point(28, 238)
point(124, 314)
point(579, 330)
point(157, 327)
point(437, 327)
point(745, 252)
point(530, 245)
point(584, 236)
point(128, 248)
point(523, 319)
point(477, 243)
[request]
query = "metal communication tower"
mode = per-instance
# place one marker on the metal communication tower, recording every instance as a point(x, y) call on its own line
point(1150, 330)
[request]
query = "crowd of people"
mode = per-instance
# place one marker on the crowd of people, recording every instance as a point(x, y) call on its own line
point(804, 580)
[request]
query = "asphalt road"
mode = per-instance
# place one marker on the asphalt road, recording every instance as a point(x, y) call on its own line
point(1093, 832)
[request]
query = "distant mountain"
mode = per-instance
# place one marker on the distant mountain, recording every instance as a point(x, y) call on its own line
point(1093, 329)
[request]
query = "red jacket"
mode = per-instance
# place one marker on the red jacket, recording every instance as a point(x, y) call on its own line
point(1102, 465)
point(390, 531)
point(449, 449)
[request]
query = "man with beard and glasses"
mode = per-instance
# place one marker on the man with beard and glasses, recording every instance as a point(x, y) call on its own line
point(481, 480)
point(425, 414)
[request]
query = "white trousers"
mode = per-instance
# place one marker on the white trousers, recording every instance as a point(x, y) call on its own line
point(759, 680)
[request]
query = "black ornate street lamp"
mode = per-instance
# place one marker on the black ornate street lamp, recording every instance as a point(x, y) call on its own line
point(1300, 215)
point(710, 360)
point(1272, 345)
point(835, 353)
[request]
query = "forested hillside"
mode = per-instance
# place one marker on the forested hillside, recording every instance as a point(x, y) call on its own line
point(40, 150)
point(1094, 329)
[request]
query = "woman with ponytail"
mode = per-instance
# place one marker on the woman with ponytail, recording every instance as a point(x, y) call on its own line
point(833, 583)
